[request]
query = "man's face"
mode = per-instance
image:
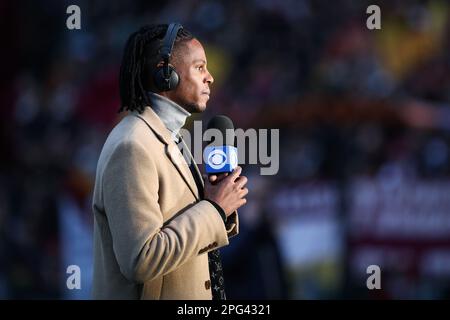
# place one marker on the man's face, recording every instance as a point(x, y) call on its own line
point(192, 92)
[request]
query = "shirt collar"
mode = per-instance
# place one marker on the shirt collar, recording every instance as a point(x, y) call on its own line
point(172, 115)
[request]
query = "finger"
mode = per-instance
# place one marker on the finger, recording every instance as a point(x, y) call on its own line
point(217, 178)
point(222, 176)
point(206, 180)
point(243, 192)
point(241, 182)
point(236, 172)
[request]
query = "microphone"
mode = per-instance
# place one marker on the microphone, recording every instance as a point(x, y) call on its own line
point(221, 155)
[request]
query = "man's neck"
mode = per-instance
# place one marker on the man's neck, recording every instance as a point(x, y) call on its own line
point(171, 114)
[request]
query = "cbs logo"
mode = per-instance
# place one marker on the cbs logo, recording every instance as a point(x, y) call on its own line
point(217, 159)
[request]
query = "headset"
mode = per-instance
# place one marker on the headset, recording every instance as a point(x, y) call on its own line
point(165, 77)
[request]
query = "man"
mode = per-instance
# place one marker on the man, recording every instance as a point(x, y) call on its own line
point(157, 228)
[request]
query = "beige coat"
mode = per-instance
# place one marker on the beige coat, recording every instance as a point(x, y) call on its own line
point(151, 231)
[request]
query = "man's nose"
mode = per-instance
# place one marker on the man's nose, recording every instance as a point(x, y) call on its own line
point(209, 78)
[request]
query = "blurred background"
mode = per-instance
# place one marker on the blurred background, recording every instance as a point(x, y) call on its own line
point(364, 119)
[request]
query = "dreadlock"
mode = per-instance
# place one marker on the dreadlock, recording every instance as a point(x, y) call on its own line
point(140, 57)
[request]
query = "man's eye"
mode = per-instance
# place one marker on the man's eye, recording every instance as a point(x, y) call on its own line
point(200, 68)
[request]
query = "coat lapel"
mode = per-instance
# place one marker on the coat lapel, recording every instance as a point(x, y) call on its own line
point(178, 161)
point(196, 169)
point(172, 151)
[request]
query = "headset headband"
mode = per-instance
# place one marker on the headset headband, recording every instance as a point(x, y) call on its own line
point(169, 41)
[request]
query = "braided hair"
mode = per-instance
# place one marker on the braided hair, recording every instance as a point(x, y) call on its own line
point(140, 58)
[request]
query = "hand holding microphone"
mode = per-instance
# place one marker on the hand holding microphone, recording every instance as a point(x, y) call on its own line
point(225, 185)
point(229, 193)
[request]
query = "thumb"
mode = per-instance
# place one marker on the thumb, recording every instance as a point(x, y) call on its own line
point(207, 179)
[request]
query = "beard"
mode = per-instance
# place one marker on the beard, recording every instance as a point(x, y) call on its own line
point(188, 103)
point(193, 107)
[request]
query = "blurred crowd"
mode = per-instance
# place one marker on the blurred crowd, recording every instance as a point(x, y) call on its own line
point(351, 104)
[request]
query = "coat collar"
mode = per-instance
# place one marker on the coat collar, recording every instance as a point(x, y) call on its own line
point(155, 124)
point(172, 115)
point(172, 151)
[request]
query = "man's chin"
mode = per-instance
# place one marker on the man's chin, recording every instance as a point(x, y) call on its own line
point(202, 108)
point(198, 108)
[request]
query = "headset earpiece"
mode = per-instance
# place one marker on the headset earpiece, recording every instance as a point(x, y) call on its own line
point(165, 77)
point(166, 80)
